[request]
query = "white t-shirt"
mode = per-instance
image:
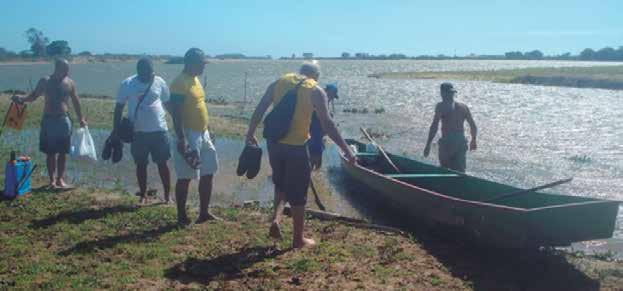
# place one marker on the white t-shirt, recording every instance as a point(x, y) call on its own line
point(150, 116)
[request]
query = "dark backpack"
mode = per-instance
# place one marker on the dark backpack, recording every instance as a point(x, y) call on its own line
point(277, 122)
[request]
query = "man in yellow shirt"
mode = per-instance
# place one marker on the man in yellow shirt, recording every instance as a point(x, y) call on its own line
point(195, 157)
point(288, 156)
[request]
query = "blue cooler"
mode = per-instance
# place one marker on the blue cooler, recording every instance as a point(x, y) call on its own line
point(17, 177)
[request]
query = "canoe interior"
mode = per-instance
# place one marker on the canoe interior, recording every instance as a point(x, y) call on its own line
point(457, 185)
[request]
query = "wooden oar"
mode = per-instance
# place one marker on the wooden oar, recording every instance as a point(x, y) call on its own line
point(367, 135)
point(316, 198)
point(504, 196)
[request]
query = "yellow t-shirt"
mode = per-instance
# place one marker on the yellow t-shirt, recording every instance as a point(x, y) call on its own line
point(187, 90)
point(301, 121)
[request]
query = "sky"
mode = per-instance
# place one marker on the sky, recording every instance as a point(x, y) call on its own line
point(322, 27)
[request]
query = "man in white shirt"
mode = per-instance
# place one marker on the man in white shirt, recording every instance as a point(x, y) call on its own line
point(150, 93)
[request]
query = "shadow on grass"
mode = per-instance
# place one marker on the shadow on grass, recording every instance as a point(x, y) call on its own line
point(112, 241)
point(79, 216)
point(485, 267)
point(227, 267)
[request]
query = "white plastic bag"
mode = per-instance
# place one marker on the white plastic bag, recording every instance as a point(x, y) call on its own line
point(82, 145)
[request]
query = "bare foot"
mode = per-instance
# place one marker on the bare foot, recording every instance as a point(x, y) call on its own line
point(51, 186)
point(142, 200)
point(275, 232)
point(307, 242)
point(206, 217)
point(60, 183)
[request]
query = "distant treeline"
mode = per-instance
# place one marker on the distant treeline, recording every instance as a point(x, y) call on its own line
point(41, 48)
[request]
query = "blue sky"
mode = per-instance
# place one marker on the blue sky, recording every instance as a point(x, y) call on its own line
point(323, 27)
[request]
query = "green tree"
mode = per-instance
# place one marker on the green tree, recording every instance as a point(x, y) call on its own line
point(587, 54)
point(514, 55)
point(534, 55)
point(85, 54)
point(38, 42)
point(345, 55)
point(58, 48)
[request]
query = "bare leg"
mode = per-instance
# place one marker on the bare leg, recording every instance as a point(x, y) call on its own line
point(205, 192)
point(51, 165)
point(279, 205)
point(181, 193)
point(165, 177)
point(61, 162)
point(298, 218)
point(141, 177)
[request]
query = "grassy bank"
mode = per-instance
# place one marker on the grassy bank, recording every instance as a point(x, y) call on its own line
point(99, 113)
point(91, 239)
point(604, 77)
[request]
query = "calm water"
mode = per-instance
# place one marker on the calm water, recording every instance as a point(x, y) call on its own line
point(528, 135)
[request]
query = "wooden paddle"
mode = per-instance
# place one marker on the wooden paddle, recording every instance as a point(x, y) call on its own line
point(549, 185)
point(367, 135)
point(316, 198)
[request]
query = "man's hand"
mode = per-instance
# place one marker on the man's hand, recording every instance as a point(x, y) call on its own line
point(83, 122)
point(472, 145)
point(350, 157)
point(182, 146)
point(251, 140)
point(427, 150)
point(316, 161)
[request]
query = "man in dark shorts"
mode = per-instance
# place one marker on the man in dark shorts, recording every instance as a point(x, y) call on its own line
point(55, 135)
point(453, 143)
point(151, 135)
point(288, 156)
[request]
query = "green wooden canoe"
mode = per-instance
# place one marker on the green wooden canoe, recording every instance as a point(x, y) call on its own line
point(436, 195)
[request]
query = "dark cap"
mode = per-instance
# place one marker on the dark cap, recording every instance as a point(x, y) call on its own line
point(447, 87)
point(333, 88)
point(195, 56)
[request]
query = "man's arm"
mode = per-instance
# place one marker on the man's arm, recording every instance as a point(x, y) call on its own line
point(258, 114)
point(472, 129)
point(32, 96)
point(76, 102)
point(117, 118)
point(432, 131)
point(319, 101)
point(175, 109)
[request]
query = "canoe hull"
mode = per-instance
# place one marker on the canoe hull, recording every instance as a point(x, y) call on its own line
point(492, 224)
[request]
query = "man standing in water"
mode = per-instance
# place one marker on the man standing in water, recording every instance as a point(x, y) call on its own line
point(145, 94)
point(55, 135)
point(195, 157)
point(452, 144)
point(288, 156)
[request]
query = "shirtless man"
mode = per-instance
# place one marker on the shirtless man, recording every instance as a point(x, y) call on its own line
point(55, 134)
point(452, 144)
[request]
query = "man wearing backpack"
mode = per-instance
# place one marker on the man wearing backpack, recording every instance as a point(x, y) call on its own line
point(145, 93)
point(288, 155)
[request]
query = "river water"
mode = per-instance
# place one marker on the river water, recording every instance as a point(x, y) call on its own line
point(528, 135)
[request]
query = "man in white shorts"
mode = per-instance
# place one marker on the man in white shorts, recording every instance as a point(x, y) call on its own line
point(195, 157)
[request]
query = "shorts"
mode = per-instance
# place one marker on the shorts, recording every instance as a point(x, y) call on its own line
point(201, 142)
point(154, 143)
point(291, 171)
point(55, 134)
point(453, 152)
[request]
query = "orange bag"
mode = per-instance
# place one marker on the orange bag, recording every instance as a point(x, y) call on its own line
point(16, 116)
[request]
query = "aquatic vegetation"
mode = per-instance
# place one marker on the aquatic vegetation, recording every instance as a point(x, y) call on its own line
point(604, 77)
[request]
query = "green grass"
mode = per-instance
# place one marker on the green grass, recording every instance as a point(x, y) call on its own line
point(99, 114)
point(89, 239)
point(607, 77)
